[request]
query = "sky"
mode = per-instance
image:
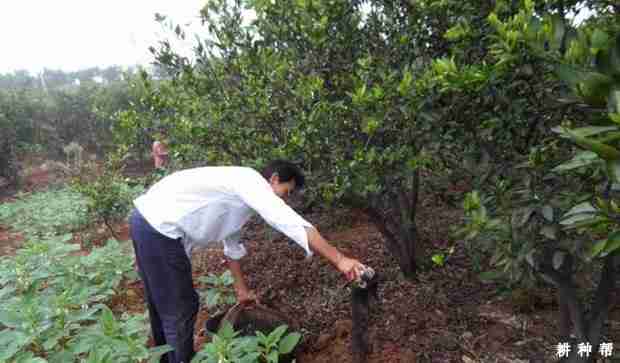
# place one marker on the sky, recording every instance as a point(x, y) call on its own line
point(77, 34)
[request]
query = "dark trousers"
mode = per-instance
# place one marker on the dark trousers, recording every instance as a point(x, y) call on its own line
point(171, 298)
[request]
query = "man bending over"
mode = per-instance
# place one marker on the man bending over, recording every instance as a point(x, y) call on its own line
point(195, 207)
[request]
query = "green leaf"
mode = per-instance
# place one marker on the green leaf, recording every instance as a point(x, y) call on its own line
point(12, 336)
point(227, 278)
point(602, 61)
point(595, 89)
point(155, 353)
point(568, 74)
point(51, 342)
point(613, 170)
point(583, 158)
point(83, 343)
point(34, 360)
point(108, 322)
point(288, 343)
point(226, 331)
point(11, 319)
point(599, 40)
point(405, 84)
point(377, 93)
point(491, 275)
point(251, 358)
point(210, 279)
point(276, 334)
point(549, 232)
point(248, 344)
point(598, 248)
point(84, 314)
point(586, 222)
point(262, 337)
point(359, 96)
point(213, 298)
point(8, 352)
point(230, 299)
point(585, 207)
point(371, 124)
point(456, 32)
point(589, 130)
point(16, 341)
point(581, 212)
point(613, 243)
point(547, 212)
point(613, 102)
point(273, 356)
point(615, 55)
point(438, 259)
point(577, 218)
point(6, 291)
point(63, 356)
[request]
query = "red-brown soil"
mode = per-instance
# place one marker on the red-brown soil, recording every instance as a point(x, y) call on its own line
point(444, 315)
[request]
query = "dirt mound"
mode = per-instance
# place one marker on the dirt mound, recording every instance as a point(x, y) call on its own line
point(335, 346)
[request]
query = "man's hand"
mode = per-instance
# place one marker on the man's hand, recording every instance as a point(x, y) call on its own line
point(246, 297)
point(351, 268)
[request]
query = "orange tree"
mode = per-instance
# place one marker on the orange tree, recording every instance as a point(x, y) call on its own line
point(554, 212)
point(337, 86)
point(364, 94)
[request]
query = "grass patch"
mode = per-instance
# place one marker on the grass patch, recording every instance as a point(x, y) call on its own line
point(47, 213)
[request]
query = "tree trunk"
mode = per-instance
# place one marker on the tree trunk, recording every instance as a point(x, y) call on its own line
point(398, 226)
point(587, 327)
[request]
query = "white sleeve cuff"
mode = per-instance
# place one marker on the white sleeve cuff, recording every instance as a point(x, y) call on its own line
point(298, 234)
point(233, 249)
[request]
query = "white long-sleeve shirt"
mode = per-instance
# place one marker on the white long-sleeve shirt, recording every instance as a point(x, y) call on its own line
point(208, 204)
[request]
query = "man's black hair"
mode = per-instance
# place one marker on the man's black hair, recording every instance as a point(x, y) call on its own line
point(286, 171)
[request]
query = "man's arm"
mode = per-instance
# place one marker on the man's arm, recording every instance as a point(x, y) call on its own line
point(244, 295)
point(351, 268)
point(234, 251)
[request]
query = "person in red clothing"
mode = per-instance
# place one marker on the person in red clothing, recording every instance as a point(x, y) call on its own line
point(160, 152)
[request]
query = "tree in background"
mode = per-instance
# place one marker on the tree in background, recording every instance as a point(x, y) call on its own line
point(55, 108)
point(8, 139)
